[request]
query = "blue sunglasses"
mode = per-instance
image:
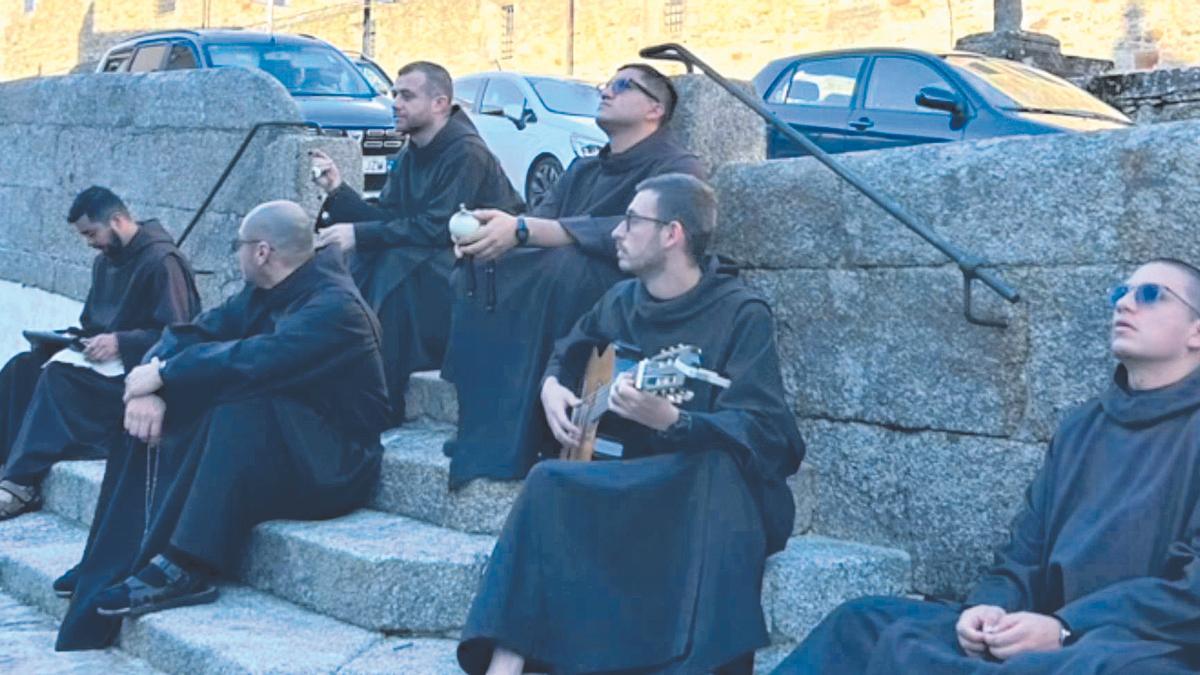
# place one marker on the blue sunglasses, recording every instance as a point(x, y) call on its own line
point(1146, 294)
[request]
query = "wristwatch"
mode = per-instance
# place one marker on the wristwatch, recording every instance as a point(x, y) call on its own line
point(522, 231)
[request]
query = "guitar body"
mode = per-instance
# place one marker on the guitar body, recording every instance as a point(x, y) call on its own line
point(596, 377)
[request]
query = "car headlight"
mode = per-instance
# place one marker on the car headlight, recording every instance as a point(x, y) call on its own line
point(584, 146)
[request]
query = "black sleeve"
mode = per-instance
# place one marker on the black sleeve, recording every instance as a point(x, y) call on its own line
point(175, 306)
point(219, 323)
point(593, 234)
point(345, 205)
point(453, 183)
point(319, 337)
point(751, 418)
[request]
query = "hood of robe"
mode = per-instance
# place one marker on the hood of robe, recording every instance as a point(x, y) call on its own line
point(457, 127)
point(656, 145)
point(1132, 408)
point(717, 282)
point(150, 233)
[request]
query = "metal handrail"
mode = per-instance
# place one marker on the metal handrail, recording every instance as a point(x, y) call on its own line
point(237, 156)
point(971, 266)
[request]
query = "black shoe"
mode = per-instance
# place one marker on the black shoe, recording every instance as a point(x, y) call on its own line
point(64, 586)
point(160, 585)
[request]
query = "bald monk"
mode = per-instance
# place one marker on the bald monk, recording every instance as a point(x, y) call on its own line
point(276, 400)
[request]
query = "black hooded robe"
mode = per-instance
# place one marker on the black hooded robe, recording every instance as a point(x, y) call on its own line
point(652, 563)
point(403, 256)
point(49, 414)
point(1108, 541)
point(504, 324)
point(275, 403)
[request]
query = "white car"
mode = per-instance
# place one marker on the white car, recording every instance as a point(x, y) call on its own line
point(535, 125)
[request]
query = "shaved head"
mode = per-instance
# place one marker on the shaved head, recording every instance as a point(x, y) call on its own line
point(285, 226)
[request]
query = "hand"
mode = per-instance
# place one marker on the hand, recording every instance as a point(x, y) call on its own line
point(100, 348)
point(496, 236)
point(556, 401)
point(340, 235)
point(144, 418)
point(143, 380)
point(974, 625)
point(330, 177)
point(646, 409)
point(1023, 632)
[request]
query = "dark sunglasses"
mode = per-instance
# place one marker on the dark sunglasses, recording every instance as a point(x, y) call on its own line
point(619, 85)
point(1146, 294)
point(236, 244)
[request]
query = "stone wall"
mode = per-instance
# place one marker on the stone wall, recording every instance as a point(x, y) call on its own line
point(737, 36)
point(1155, 96)
point(160, 141)
point(923, 428)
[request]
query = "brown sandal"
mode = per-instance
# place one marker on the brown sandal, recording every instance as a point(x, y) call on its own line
point(17, 499)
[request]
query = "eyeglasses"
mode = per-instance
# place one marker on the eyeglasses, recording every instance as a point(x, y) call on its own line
point(631, 216)
point(236, 244)
point(619, 85)
point(1146, 294)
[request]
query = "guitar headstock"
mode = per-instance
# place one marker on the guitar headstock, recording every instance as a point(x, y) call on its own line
point(661, 375)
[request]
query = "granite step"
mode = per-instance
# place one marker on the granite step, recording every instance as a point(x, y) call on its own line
point(431, 398)
point(246, 631)
point(387, 572)
point(27, 646)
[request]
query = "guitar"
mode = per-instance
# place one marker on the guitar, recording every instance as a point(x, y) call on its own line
point(665, 374)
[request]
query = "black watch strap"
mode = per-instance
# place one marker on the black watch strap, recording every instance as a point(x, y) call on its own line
point(522, 231)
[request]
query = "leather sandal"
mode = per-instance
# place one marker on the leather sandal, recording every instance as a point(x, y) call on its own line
point(134, 597)
point(17, 499)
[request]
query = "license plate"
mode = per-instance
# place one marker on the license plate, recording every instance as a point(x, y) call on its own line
point(374, 165)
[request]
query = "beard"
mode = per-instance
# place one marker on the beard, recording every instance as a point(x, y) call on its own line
point(114, 246)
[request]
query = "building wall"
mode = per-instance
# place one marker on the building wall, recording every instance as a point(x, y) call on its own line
point(737, 36)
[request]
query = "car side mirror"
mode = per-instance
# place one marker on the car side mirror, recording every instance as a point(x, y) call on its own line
point(938, 98)
point(517, 113)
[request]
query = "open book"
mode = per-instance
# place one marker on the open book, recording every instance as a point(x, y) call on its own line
point(110, 368)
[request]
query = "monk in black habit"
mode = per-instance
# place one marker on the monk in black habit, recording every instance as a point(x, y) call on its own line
point(511, 305)
point(140, 283)
point(269, 406)
point(651, 563)
point(402, 250)
point(1102, 573)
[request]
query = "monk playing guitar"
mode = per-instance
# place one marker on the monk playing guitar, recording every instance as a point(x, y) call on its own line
point(653, 562)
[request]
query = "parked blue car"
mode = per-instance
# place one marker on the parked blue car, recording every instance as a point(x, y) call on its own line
point(852, 100)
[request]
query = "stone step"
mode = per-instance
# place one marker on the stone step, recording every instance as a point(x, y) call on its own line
point(27, 646)
point(415, 475)
point(814, 574)
point(246, 631)
point(429, 397)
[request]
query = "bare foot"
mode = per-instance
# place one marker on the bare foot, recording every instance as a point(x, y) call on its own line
point(505, 662)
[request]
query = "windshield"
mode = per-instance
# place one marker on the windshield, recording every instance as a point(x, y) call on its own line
point(1010, 85)
point(568, 97)
point(304, 70)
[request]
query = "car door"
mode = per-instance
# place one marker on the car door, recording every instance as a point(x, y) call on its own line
point(508, 142)
point(889, 116)
point(149, 57)
point(815, 97)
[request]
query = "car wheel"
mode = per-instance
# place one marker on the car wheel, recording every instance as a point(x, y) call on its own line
point(544, 173)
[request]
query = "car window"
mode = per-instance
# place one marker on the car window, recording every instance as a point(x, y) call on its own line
point(1011, 85)
point(378, 80)
point(117, 62)
point(180, 58)
point(566, 96)
point(498, 94)
point(148, 58)
point(825, 82)
point(895, 83)
point(303, 69)
point(465, 92)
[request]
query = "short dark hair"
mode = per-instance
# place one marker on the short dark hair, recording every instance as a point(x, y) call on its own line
point(689, 200)
point(98, 204)
point(1192, 272)
point(659, 84)
point(437, 78)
